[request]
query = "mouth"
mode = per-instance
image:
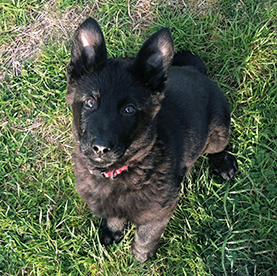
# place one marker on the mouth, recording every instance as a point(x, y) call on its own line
point(98, 162)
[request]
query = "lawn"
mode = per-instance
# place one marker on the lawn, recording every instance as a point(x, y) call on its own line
point(219, 227)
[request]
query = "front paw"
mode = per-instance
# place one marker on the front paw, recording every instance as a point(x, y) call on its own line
point(107, 236)
point(142, 254)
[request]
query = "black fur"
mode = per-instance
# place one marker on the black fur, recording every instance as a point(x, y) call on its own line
point(150, 118)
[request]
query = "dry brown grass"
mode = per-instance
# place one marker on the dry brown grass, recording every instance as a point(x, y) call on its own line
point(49, 24)
point(52, 24)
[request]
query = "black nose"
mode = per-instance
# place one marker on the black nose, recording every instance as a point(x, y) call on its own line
point(101, 147)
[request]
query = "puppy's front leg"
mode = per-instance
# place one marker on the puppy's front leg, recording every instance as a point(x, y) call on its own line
point(111, 230)
point(147, 237)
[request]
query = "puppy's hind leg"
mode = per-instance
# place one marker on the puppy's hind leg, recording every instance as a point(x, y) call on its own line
point(224, 163)
point(111, 230)
point(221, 160)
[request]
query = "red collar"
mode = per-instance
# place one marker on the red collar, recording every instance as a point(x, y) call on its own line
point(111, 174)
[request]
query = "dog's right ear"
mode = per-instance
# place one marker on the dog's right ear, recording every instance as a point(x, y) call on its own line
point(88, 50)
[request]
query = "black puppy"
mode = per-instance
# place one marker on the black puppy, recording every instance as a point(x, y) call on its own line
point(139, 125)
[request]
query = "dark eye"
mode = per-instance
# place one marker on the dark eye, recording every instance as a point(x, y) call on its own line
point(129, 110)
point(90, 103)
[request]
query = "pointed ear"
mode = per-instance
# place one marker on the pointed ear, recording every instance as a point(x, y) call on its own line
point(88, 50)
point(154, 59)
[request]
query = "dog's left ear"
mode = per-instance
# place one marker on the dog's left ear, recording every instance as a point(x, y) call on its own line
point(88, 50)
point(154, 59)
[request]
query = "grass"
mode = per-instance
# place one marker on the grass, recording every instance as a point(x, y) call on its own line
point(218, 228)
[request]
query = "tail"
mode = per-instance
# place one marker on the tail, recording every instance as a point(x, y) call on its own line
point(186, 58)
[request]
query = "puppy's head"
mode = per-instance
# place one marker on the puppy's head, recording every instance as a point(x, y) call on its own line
point(115, 101)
